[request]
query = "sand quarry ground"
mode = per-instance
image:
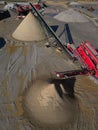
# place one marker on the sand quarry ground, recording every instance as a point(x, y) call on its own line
point(30, 97)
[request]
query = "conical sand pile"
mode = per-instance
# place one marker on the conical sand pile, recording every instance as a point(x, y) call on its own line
point(43, 103)
point(71, 15)
point(29, 30)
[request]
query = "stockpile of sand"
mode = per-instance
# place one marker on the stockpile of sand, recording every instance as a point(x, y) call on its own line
point(71, 15)
point(29, 30)
point(45, 104)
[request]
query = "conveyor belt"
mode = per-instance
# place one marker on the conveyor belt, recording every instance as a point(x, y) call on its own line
point(52, 32)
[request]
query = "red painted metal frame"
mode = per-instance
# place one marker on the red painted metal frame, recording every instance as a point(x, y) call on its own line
point(87, 56)
point(26, 8)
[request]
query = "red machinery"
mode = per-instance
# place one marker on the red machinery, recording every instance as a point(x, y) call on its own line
point(23, 10)
point(85, 54)
point(87, 57)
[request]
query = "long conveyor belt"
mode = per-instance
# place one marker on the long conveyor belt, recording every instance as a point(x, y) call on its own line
point(65, 50)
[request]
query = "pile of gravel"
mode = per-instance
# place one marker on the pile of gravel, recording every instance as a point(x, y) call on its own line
point(71, 15)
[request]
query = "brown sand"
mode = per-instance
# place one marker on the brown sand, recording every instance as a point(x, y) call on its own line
point(45, 103)
point(46, 99)
point(29, 30)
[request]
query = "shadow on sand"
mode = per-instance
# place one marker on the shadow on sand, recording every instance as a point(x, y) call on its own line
point(65, 87)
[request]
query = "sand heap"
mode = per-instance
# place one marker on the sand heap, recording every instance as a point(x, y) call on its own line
point(44, 104)
point(71, 15)
point(29, 30)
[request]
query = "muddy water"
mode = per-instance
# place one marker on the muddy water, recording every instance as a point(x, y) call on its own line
point(48, 104)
